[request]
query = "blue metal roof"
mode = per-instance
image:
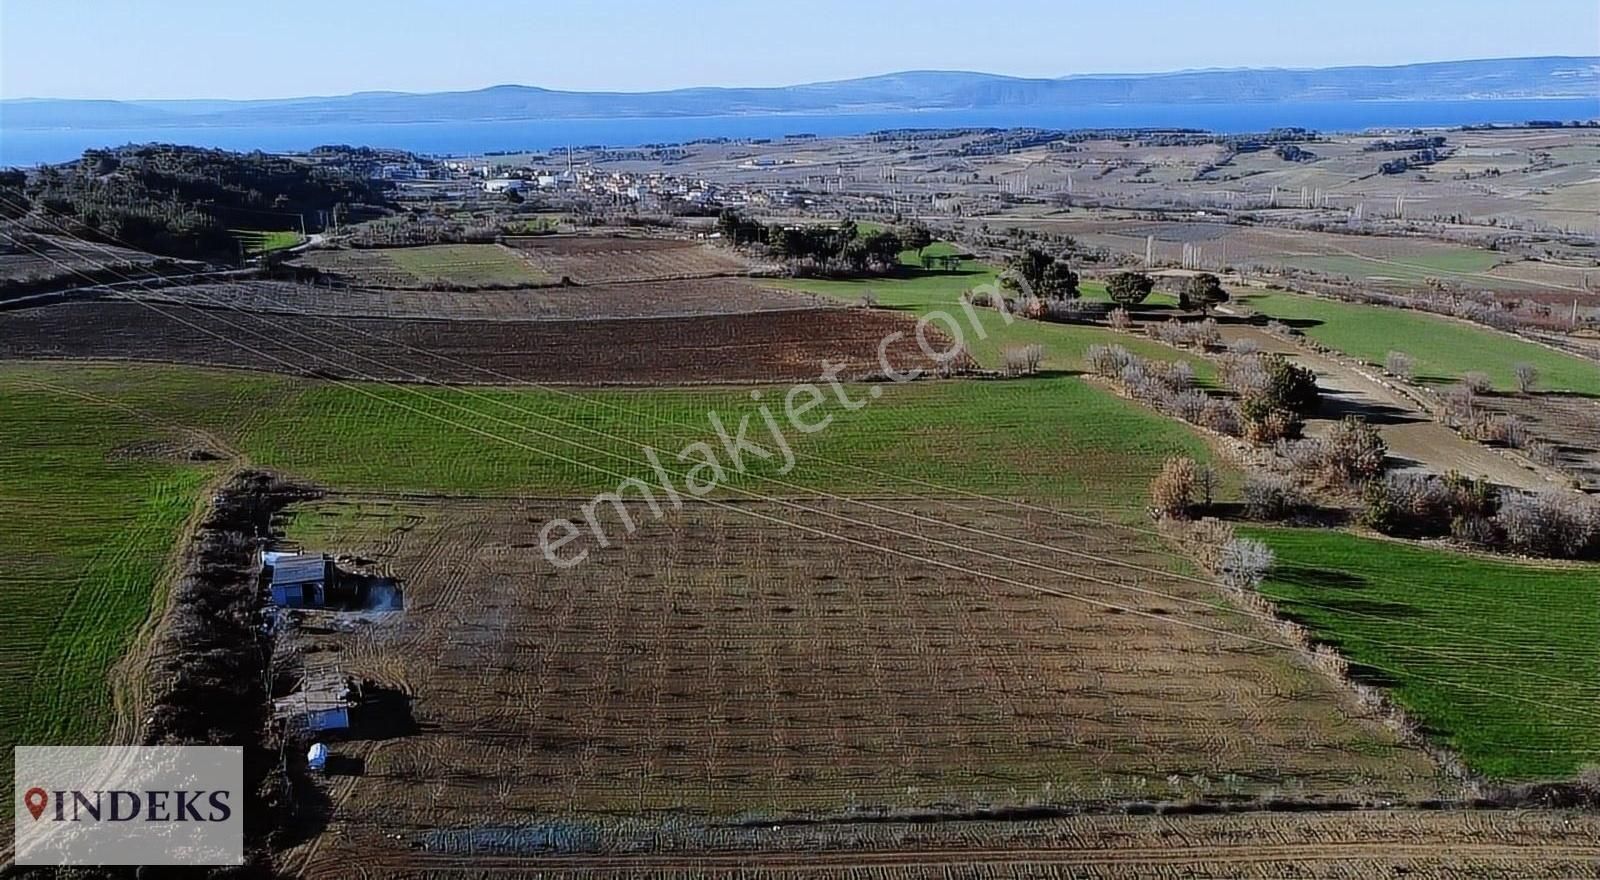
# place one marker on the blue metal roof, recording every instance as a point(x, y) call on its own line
point(299, 569)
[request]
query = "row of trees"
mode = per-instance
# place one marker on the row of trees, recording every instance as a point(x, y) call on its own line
point(1039, 273)
point(821, 249)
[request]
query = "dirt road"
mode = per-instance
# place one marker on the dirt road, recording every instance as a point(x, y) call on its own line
point(1416, 442)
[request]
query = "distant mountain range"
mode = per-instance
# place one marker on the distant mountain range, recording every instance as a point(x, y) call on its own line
point(1505, 78)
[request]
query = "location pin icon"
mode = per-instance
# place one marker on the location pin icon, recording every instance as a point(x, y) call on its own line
point(35, 800)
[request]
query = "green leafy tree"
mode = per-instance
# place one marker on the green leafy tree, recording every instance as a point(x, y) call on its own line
point(915, 236)
point(1044, 275)
point(1059, 281)
point(1129, 289)
point(1202, 292)
point(1290, 386)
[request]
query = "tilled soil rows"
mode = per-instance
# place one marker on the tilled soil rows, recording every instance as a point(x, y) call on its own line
point(600, 259)
point(656, 299)
point(754, 347)
point(754, 662)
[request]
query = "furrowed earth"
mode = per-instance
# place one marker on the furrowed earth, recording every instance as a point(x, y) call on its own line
point(948, 642)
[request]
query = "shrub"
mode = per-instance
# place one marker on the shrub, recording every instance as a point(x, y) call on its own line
point(1172, 492)
point(1177, 375)
point(1119, 319)
point(1244, 563)
point(1181, 334)
point(1542, 453)
point(1505, 430)
point(1245, 346)
point(1527, 377)
point(1471, 496)
point(1269, 498)
point(1022, 360)
point(1378, 509)
point(1398, 363)
point(981, 297)
point(1353, 452)
point(1107, 361)
point(1191, 406)
point(1204, 542)
point(1303, 457)
point(1420, 500)
point(1551, 524)
point(1461, 405)
point(1244, 374)
point(1477, 383)
point(1477, 531)
point(1222, 416)
point(1265, 424)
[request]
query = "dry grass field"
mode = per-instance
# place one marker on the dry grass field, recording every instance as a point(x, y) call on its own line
point(720, 663)
point(606, 260)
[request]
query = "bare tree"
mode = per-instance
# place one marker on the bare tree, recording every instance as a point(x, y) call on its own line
point(1527, 377)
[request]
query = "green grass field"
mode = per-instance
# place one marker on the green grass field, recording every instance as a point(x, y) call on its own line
point(87, 527)
point(1443, 349)
point(1496, 657)
point(257, 241)
point(921, 292)
point(465, 264)
point(1411, 268)
point(85, 535)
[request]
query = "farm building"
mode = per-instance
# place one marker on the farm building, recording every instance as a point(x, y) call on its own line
point(322, 703)
point(304, 581)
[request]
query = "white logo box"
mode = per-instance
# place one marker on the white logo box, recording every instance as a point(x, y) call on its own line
point(129, 805)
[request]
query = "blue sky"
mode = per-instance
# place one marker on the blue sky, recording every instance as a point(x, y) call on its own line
point(226, 49)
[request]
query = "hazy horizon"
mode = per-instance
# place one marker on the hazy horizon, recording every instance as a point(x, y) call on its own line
point(223, 52)
point(730, 86)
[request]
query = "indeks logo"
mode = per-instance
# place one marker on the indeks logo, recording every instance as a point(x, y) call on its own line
point(127, 805)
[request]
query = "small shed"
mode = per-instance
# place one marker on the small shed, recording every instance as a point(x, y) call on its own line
point(302, 581)
point(322, 703)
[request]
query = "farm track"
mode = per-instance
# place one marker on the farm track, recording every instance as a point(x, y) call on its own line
point(1416, 441)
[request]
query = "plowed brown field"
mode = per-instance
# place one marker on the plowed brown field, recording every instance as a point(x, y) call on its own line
point(752, 347)
point(720, 664)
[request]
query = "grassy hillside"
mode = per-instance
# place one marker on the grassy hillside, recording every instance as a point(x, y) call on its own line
point(921, 292)
point(1443, 349)
point(1497, 657)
